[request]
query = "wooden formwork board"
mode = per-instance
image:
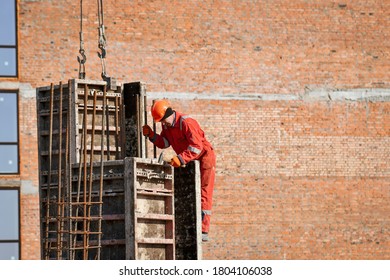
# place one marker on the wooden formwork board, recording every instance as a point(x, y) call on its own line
point(150, 223)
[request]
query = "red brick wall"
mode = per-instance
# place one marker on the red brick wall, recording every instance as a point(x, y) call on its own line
point(30, 229)
point(212, 46)
point(298, 180)
point(303, 179)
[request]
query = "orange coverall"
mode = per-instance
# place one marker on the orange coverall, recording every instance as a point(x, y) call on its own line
point(188, 141)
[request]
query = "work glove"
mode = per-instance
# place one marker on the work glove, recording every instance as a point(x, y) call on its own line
point(175, 162)
point(147, 131)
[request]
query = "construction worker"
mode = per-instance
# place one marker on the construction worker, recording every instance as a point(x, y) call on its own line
point(187, 139)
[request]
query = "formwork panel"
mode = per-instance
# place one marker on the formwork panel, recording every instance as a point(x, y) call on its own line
point(134, 98)
point(98, 120)
point(150, 203)
point(92, 115)
point(188, 225)
point(75, 120)
point(107, 202)
point(151, 252)
point(151, 229)
point(97, 214)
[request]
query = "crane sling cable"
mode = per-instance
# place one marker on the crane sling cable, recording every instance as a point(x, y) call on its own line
point(83, 58)
point(102, 39)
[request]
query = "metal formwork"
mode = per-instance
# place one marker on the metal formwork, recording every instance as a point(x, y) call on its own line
point(84, 175)
point(53, 115)
point(188, 226)
point(149, 205)
point(78, 122)
point(137, 217)
point(124, 211)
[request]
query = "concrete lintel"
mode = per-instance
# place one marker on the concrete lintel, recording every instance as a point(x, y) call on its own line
point(360, 94)
point(9, 183)
point(9, 85)
point(311, 95)
point(25, 89)
point(221, 96)
point(374, 95)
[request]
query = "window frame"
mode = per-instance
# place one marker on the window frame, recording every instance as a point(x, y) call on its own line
point(17, 241)
point(15, 47)
point(16, 92)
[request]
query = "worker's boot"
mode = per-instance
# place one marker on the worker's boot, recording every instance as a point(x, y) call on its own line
point(205, 235)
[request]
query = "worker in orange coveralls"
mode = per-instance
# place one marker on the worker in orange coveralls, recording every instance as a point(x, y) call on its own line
point(187, 139)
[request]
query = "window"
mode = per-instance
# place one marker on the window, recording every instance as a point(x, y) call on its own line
point(8, 54)
point(9, 224)
point(9, 154)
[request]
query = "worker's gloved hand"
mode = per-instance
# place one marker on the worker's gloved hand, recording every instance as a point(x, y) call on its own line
point(147, 131)
point(175, 162)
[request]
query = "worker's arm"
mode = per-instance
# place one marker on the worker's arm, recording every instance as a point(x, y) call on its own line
point(159, 140)
point(194, 136)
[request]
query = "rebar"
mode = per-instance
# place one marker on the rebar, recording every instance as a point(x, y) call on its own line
point(47, 251)
point(139, 132)
point(146, 122)
point(101, 174)
point(154, 129)
point(123, 129)
point(107, 126)
point(80, 169)
point(69, 169)
point(85, 252)
point(91, 167)
point(117, 127)
point(59, 202)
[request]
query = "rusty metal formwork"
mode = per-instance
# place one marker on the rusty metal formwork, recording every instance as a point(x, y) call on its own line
point(188, 226)
point(129, 219)
point(134, 99)
point(80, 123)
point(101, 195)
point(97, 213)
point(149, 205)
point(89, 119)
point(137, 218)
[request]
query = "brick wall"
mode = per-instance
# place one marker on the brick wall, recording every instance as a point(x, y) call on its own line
point(296, 178)
point(29, 204)
point(212, 46)
point(30, 229)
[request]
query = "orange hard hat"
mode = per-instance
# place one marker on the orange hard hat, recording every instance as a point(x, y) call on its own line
point(159, 110)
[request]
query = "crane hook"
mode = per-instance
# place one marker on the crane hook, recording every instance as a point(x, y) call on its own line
point(84, 57)
point(103, 52)
point(82, 63)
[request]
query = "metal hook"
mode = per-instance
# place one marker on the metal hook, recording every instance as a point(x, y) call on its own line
point(82, 64)
point(83, 59)
point(103, 54)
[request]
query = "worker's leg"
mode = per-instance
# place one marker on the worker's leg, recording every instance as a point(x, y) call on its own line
point(207, 171)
